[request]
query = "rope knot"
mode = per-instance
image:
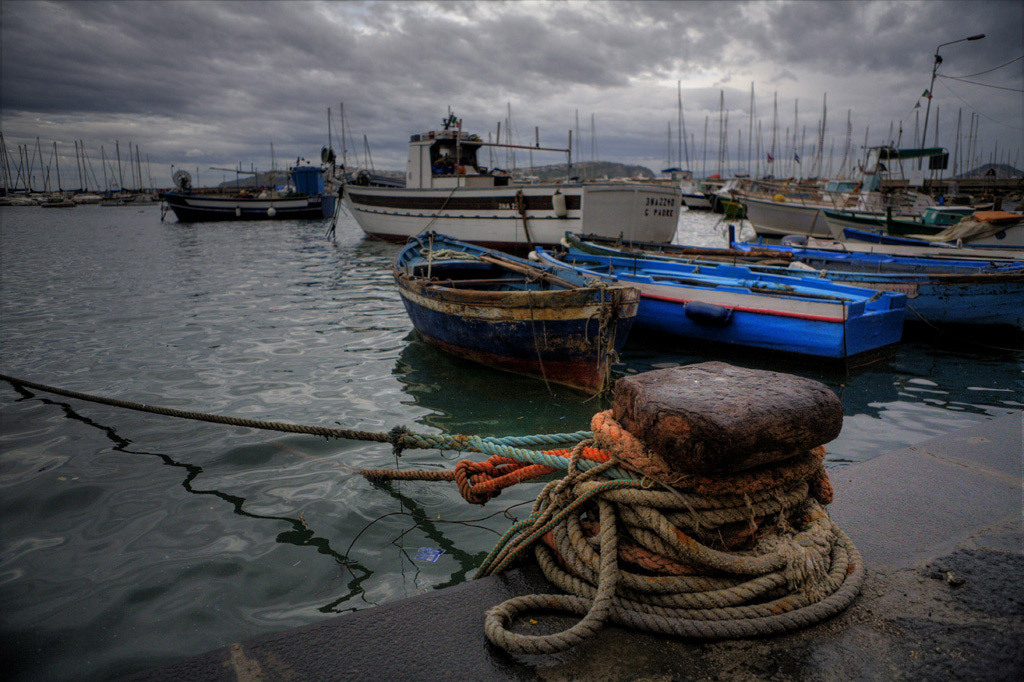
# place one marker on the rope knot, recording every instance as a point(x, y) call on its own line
point(396, 437)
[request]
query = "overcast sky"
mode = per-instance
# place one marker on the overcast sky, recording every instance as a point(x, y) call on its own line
point(214, 83)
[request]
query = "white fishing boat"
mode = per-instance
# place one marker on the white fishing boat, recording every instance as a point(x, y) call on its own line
point(448, 191)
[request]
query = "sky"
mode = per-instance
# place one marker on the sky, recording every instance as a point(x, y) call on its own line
point(216, 83)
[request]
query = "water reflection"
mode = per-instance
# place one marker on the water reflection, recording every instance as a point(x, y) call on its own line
point(464, 397)
point(300, 534)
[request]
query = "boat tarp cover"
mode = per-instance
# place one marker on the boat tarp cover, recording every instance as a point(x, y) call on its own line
point(968, 229)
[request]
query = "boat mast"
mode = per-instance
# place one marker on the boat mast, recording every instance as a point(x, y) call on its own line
point(138, 164)
point(44, 176)
point(56, 161)
point(120, 173)
point(684, 148)
point(103, 162)
point(704, 163)
point(775, 128)
point(750, 132)
point(956, 147)
point(721, 123)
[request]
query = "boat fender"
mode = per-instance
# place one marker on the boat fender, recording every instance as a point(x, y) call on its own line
point(558, 204)
point(238, 211)
point(708, 313)
point(271, 212)
point(779, 198)
point(794, 240)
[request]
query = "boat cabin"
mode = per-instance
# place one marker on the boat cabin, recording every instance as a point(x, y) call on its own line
point(448, 158)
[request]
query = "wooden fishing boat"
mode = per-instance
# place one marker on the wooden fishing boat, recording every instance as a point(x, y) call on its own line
point(303, 200)
point(514, 315)
point(953, 290)
point(950, 291)
point(735, 305)
point(448, 190)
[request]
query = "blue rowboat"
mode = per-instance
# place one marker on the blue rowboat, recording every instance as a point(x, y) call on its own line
point(514, 315)
point(735, 305)
point(951, 290)
point(939, 290)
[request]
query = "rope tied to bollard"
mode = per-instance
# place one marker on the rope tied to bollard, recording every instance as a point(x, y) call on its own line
point(759, 556)
point(700, 556)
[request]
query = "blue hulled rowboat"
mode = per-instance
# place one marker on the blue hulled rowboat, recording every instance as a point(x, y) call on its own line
point(514, 315)
point(953, 289)
point(735, 305)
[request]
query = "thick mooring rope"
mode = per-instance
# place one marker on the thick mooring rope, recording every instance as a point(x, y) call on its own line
point(398, 437)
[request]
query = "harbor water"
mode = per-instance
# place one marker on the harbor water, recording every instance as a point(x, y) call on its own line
point(128, 540)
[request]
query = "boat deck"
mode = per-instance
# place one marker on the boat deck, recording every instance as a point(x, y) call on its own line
point(924, 517)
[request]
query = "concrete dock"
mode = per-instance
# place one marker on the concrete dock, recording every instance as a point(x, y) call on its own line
point(939, 525)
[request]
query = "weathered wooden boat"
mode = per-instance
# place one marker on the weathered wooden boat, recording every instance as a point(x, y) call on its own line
point(447, 190)
point(514, 315)
point(303, 200)
point(735, 305)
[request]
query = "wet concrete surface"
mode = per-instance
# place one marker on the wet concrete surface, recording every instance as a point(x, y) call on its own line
point(940, 528)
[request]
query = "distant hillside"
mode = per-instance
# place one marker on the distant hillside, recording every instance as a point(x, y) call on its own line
point(275, 178)
point(589, 171)
point(996, 170)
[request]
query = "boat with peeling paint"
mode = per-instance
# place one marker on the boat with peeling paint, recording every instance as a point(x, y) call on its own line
point(510, 314)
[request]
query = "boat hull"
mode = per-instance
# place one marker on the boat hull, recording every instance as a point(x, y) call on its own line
point(776, 218)
point(938, 291)
point(517, 217)
point(194, 208)
point(833, 322)
point(555, 336)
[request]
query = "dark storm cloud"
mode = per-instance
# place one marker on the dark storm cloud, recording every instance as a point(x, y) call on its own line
point(216, 82)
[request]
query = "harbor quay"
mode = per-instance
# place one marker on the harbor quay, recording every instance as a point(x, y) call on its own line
point(938, 525)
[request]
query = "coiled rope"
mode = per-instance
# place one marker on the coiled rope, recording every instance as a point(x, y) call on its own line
point(746, 555)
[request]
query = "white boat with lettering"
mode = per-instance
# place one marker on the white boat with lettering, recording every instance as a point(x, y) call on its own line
point(448, 191)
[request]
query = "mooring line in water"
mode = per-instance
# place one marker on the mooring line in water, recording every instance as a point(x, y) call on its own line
point(399, 437)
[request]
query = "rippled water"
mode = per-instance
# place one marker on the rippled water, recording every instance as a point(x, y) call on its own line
point(129, 540)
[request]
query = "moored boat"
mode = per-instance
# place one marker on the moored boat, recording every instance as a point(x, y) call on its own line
point(948, 291)
point(304, 200)
point(735, 305)
point(514, 315)
point(448, 191)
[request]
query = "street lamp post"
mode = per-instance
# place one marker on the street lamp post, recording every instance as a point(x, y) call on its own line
point(931, 87)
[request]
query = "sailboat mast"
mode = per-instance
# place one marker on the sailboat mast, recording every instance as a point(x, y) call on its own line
point(704, 163)
point(750, 131)
point(103, 161)
point(120, 173)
